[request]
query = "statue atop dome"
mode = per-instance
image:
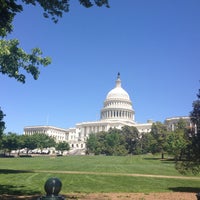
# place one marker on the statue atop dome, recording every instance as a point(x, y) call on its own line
point(118, 75)
point(118, 81)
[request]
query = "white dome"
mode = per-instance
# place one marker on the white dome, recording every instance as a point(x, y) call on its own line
point(118, 93)
point(117, 105)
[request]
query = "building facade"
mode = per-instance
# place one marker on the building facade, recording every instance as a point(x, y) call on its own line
point(172, 122)
point(58, 134)
point(117, 112)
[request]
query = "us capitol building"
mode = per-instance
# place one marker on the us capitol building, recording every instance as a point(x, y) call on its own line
point(117, 112)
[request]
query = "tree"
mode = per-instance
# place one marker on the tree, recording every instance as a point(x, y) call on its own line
point(115, 143)
point(132, 137)
point(100, 145)
point(10, 142)
point(109, 143)
point(195, 115)
point(177, 140)
point(62, 146)
point(147, 143)
point(143, 146)
point(43, 140)
point(53, 9)
point(91, 143)
point(96, 143)
point(28, 142)
point(190, 161)
point(159, 135)
point(14, 61)
point(2, 124)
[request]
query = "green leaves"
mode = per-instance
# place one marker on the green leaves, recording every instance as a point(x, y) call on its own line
point(102, 2)
point(62, 146)
point(14, 61)
point(8, 10)
point(52, 8)
point(88, 3)
point(10, 141)
point(190, 155)
point(176, 143)
point(114, 142)
point(2, 124)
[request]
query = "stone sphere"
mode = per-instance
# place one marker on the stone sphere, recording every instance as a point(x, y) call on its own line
point(53, 186)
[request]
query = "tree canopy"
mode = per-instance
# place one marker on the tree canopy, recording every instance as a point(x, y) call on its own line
point(2, 123)
point(114, 142)
point(52, 8)
point(14, 61)
point(63, 146)
point(190, 159)
point(159, 135)
point(177, 140)
point(12, 141)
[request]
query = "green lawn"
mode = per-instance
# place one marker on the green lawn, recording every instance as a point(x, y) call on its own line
point(28, 175)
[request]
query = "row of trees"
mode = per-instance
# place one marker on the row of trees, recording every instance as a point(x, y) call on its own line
point(129, 141)
point(12, 141)
point(114, 142)
point(183, 143)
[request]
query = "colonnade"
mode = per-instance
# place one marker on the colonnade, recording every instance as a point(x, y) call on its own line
point(117, 104)
point(105, 114)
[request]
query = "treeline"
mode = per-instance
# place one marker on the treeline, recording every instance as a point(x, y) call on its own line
point(128, 140)
point(13, 141)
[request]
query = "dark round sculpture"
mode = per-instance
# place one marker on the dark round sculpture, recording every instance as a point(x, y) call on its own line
point(53, 186)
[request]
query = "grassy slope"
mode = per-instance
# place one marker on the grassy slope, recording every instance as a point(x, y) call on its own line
point(19, 182)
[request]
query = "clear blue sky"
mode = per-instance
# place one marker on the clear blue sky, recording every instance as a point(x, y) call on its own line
point(154, 44)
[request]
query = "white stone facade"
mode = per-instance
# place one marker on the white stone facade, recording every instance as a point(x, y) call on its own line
point(58, 134)
point(118, 105)
point(171, 122)
point(117, 112)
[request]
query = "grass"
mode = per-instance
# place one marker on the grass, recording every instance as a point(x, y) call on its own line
point(127, 164)
point(27, 175)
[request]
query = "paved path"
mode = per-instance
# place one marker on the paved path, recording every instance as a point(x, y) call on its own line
point(118, 174)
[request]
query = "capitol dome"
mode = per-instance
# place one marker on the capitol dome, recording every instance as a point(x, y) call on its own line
point(118, 92)
point(117, 105)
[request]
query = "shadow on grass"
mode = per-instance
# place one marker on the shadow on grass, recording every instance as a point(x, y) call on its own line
point(164, 160)
point(10, 192)
point(168, 161)
point(152, 158)
point(16, 190)
point(13, 171)
point(185, 189)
